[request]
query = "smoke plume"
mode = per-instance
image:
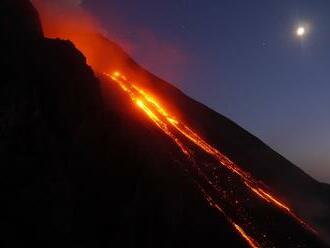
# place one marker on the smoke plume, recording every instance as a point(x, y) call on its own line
point(67, 19)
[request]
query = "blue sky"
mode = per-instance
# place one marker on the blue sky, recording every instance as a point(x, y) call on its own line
point(243, 59)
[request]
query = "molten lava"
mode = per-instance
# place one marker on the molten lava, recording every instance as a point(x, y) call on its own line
point(185, 138)
point(250, 241)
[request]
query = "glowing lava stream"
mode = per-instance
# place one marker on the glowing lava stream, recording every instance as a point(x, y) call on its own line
point(160, 116)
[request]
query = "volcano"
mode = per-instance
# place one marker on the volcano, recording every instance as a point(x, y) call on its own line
point(103, 153)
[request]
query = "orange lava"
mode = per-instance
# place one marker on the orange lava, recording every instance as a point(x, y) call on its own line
point(248, 239)
point(167, 122)
point(140, 101)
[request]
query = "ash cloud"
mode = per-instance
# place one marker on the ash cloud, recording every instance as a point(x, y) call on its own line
point(62, 18)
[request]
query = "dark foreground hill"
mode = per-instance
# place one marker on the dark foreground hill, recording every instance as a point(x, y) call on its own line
point(82, 168)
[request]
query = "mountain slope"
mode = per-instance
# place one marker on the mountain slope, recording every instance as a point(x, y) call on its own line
point(304, 194)
point(81, 171)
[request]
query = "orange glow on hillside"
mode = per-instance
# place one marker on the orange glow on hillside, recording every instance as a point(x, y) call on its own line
point(63, 20)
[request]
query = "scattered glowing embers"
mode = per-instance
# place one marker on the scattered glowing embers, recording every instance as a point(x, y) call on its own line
point(252, 243)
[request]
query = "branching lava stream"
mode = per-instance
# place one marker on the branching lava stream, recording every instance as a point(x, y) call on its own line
point(184, 137)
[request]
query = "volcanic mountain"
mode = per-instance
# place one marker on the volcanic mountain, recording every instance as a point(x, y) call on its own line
point(111, 155)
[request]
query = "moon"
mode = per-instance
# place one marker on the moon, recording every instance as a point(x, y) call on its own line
point(301, 31)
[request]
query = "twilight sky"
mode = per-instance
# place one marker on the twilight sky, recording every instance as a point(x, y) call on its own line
point(241, 58)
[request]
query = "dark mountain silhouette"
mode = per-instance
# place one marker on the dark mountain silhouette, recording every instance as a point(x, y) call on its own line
point(80, 167)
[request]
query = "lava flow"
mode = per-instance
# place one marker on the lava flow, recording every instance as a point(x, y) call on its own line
point(184, 137)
